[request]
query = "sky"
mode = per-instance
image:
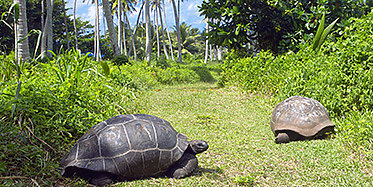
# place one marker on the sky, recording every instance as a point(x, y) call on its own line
point(189, 13)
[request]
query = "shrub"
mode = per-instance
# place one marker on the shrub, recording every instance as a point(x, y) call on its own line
point(121, 60)
point(58, 102)
point(177, 75)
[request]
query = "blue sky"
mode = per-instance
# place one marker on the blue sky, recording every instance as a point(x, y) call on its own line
point(189, 13)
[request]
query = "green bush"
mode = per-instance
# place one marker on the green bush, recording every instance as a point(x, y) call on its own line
point(58, 102)
point(203, 73)
point(177, 75)
point(121, 60)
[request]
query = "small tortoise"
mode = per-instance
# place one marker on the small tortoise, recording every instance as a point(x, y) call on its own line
point(299, 118)
point(129, 147)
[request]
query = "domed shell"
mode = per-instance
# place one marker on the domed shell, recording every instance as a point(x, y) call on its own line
point(130, 146)
point(302, 115)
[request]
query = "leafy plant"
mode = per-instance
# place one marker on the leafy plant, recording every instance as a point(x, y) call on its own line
point(322, 33)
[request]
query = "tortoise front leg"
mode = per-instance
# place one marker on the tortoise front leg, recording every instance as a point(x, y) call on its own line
point(183, 167)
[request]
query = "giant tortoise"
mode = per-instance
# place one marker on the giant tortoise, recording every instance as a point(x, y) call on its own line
point(128, 147)
point(300, 118)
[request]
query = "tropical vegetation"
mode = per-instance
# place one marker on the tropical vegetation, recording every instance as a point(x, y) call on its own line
point(59, 76)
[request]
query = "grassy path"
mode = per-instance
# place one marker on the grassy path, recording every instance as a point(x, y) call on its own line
point(242, 151)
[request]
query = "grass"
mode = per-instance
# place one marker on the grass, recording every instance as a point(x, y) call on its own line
point(242, 149)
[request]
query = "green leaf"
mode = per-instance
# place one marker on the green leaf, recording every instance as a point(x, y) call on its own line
point(319, 32)
point(16, 12)
point(326, 32)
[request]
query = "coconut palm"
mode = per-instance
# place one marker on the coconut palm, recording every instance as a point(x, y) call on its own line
point(74, 22)
point(110, 25)
point(148, 32)
point(65, 22)
point(22, 45)
point(177, 25)
point(47, 36)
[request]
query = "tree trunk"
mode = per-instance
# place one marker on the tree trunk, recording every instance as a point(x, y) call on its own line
point(164, 44)
point(148, 47)
point(219, 53)
point(168, 33)
point(134, 32)
point(110, 25)
point(157, 29)
point(97, 51)
point(23, 51)
point(46, 39)
point(119, 13)
point(50, 27)
point(124, 32)
point(177, 14)
point(75, 33)
point(207, 43)
point(65, 22)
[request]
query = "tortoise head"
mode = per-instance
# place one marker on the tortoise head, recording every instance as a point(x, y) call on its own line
point(198, 146)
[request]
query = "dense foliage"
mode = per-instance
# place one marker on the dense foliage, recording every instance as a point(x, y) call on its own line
point(273, 24)
point(339, 76)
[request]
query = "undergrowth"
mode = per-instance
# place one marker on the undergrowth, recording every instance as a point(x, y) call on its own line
point(46, 106)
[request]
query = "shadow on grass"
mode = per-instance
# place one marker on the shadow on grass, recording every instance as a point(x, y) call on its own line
point(204, 73)
point(214, 171)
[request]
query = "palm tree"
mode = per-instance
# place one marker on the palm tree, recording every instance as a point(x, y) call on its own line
point(119, 13)
point(21, 32)
point(47, 37)
point(97, 51)
point(177, 18)
point(110, 25)
point(189, 39)
point(148, 46)
point(168, 33)
point(65, 22)
point(74, 22)
point(122, 6)
point(207, 43)
point(160, 17)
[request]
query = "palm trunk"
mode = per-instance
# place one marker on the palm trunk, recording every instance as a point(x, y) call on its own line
point(97, 51)
point(207, 43)
point(46, 40)
point(157, 30)
point(168, 33)
point(119, 13)
point(148, 47)
point(219, 53)
point(134, 32)
point(110, 25)
point(50, 27)
point(164, 44)
point(177, 14)
point(21, 30)
point(124, 32)
point(75, 33)
point(65, 22)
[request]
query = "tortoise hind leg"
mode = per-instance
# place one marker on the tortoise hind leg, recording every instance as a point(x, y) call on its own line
point(183, 167)
point(102, 179)
point(282, 138)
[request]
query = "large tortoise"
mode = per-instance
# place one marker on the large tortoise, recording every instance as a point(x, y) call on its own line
point(128, 147)
point(299, 118)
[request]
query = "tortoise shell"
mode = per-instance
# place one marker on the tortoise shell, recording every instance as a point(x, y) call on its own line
point(129, 146)
point(302, 115)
